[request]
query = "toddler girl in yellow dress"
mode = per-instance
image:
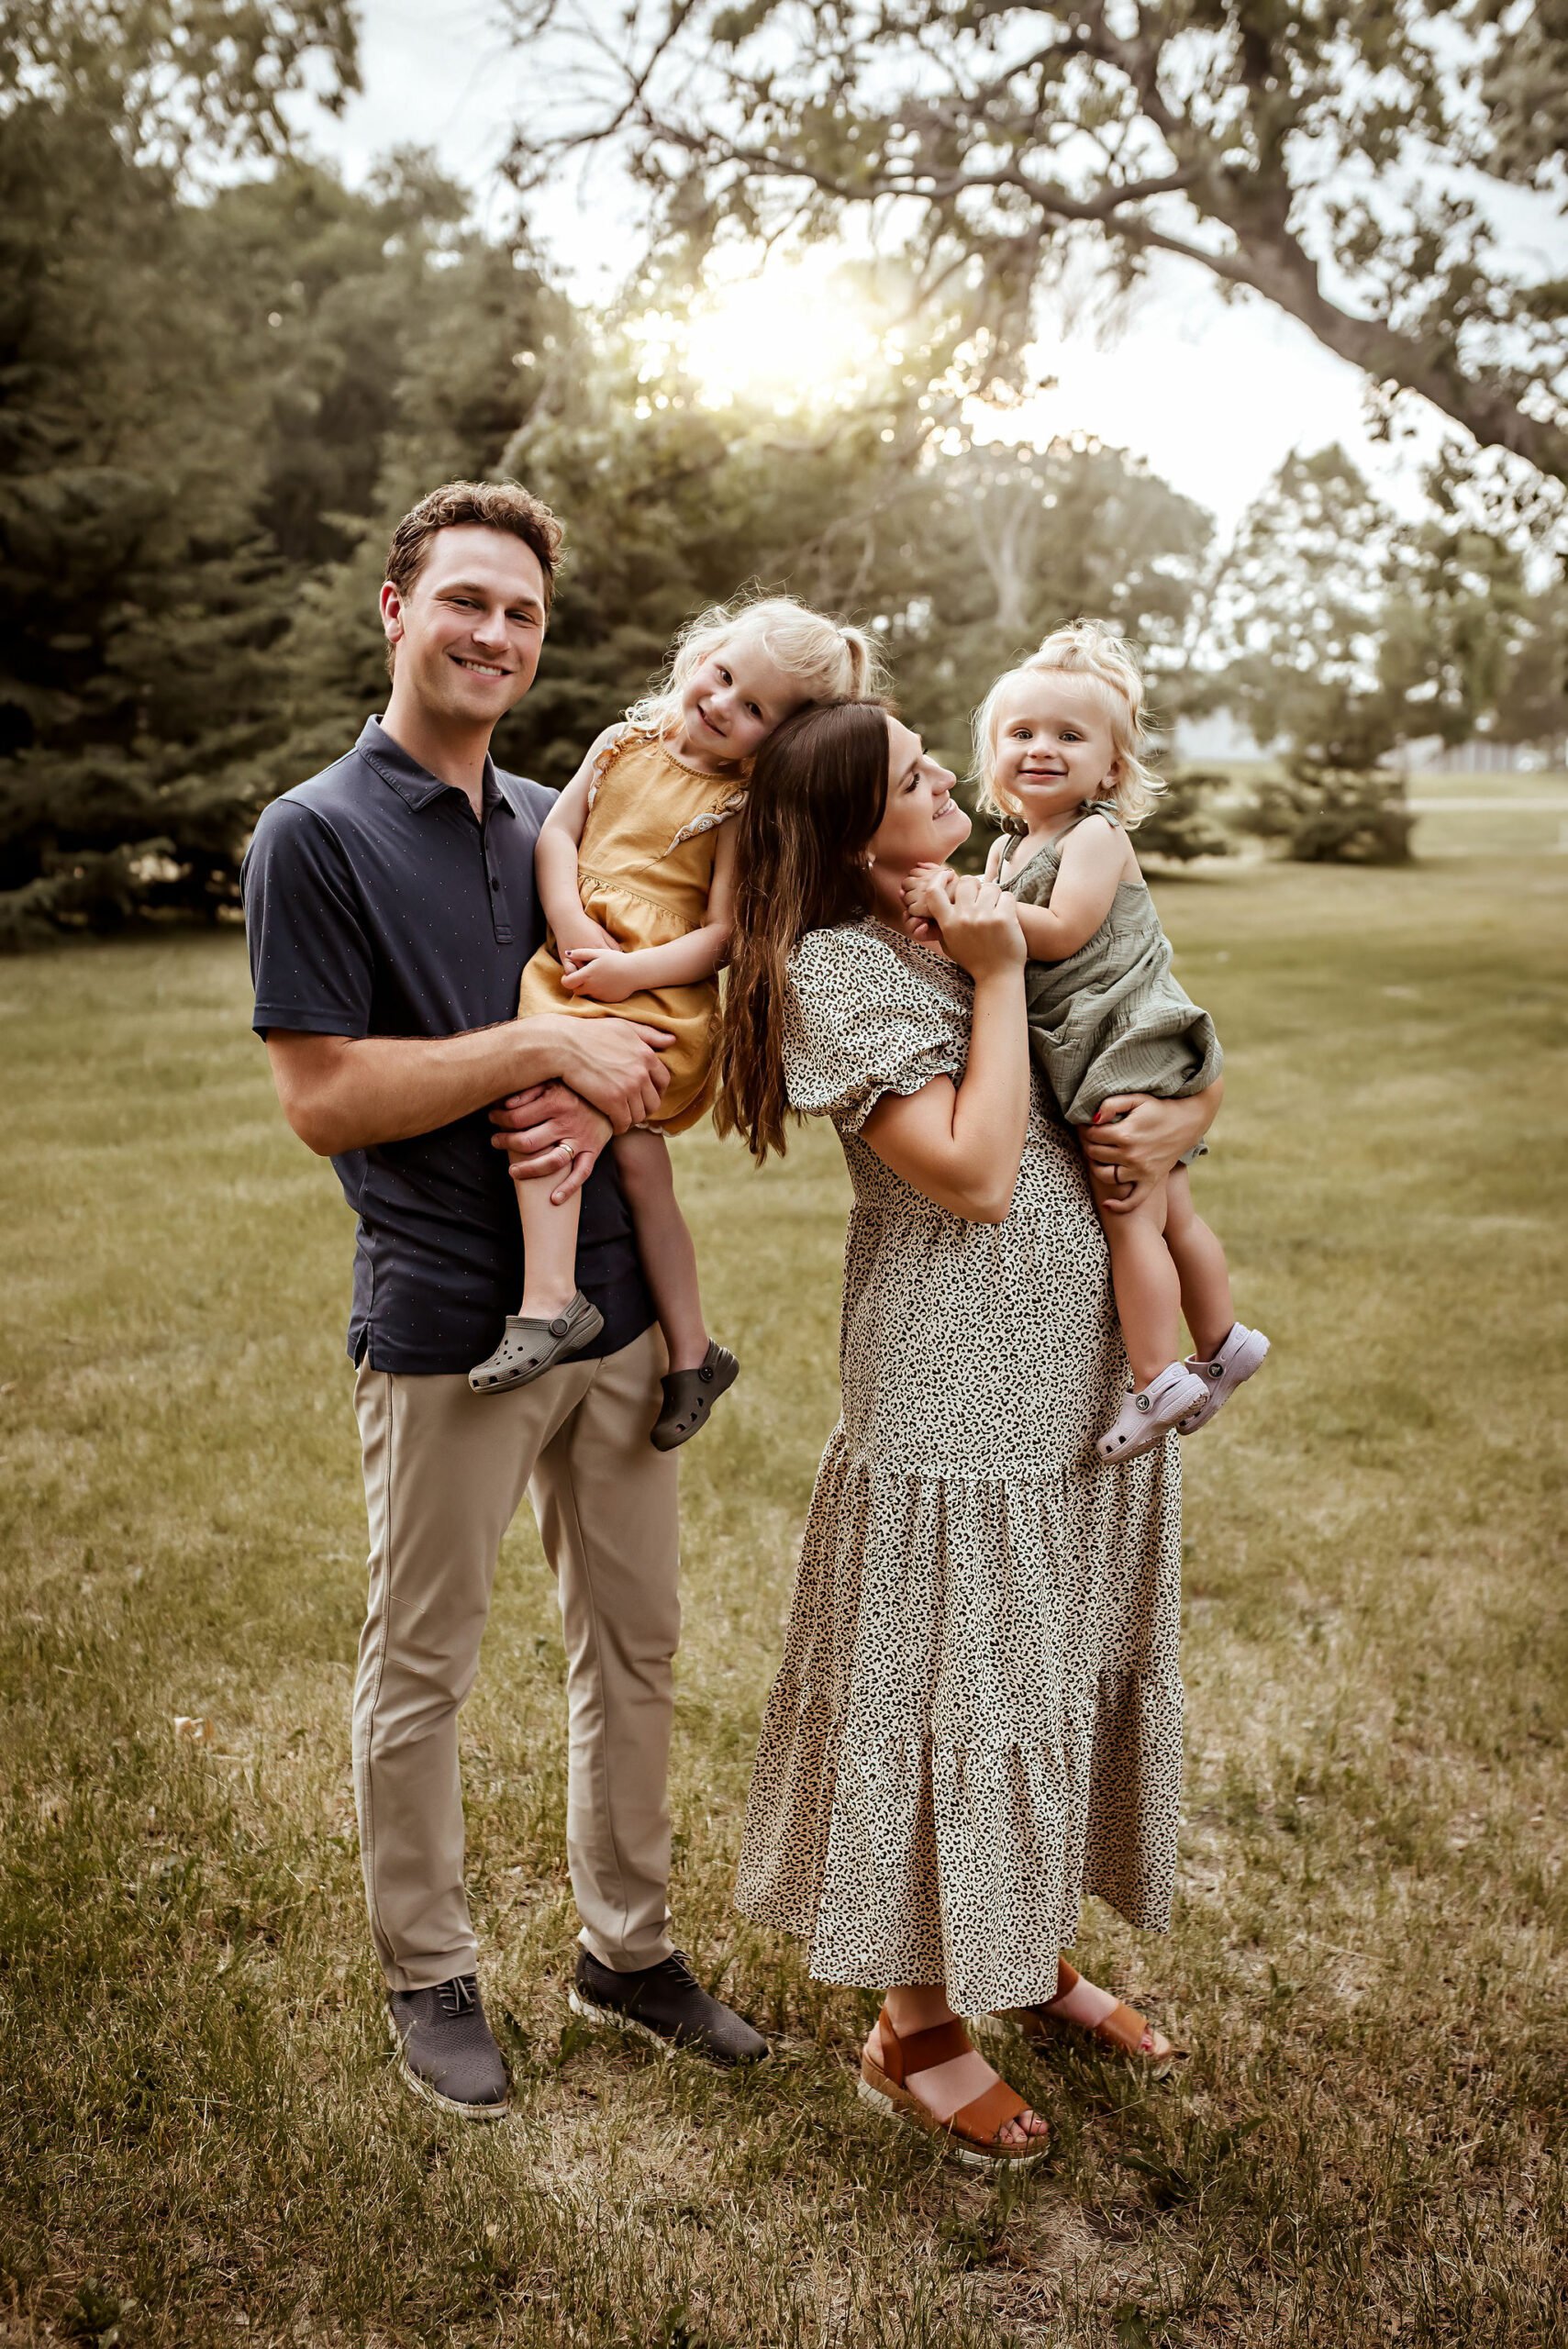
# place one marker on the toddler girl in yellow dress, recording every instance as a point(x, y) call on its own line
point(635, 865)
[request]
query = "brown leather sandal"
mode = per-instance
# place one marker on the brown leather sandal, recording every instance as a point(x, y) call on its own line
point(973, 2131)
point(1123, 2030)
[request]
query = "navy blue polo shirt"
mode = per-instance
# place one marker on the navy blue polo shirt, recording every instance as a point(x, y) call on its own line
point(377, 904)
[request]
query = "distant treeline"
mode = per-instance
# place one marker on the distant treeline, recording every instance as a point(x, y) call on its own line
point(214, 406)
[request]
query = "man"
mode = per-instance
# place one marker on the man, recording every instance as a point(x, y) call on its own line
point(391, 907)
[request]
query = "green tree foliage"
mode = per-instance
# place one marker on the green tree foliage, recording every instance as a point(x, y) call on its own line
point(218, 404)
point(198, 400)
point(173, 80)
point(1340, 619)
point(1351, 634)
point(1182, 824)
point(1305, 595)
point(870, 506)
point(1330, 160)
point(1299, 607)
point(1533, 706)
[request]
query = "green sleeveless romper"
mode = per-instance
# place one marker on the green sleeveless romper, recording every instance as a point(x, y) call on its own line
point(1111, 1019)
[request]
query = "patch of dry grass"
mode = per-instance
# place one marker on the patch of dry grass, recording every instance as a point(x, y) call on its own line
point(201, 2139)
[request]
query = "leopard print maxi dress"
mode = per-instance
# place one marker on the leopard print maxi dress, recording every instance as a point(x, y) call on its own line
point(978, 1718)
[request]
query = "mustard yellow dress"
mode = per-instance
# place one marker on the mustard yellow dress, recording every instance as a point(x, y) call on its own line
point(645, 871)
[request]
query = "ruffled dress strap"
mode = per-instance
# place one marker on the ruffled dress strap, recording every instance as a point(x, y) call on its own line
point(626, 734)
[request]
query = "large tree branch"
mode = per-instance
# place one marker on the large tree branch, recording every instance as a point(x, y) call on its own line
point(983, 127)
point(1283, 274)
point(1267, 261)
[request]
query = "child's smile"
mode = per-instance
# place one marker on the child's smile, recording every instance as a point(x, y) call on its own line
point(733, 701)
point(1054, 747)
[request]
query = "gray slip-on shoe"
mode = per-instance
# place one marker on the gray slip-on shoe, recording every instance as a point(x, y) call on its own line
point(530, 1347)
point(667, 2004)
point(445, 2048)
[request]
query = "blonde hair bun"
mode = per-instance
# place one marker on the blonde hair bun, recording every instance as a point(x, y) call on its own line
point(1095, 650)
point(829, 660)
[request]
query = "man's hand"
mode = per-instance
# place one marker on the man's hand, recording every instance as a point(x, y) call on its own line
point(615, 1064)
point(606, 974)
point(549, 1132)
point(1136, 1140)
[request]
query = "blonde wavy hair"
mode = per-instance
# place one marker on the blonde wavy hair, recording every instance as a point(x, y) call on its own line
point(827, 658)
point(1095, 652)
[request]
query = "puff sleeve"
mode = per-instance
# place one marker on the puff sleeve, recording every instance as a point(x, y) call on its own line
point(860, 1021)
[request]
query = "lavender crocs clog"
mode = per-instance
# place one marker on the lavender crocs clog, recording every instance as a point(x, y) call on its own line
point(1150, 1413)
point(1238, 1358)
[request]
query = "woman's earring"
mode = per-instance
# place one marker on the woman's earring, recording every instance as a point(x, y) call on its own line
point(869, 860)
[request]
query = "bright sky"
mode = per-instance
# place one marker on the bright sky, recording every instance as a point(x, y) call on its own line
point(1213, 394)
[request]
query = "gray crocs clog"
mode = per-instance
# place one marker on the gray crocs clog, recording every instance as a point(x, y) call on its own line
point(530, 1347)
point(690, 1394)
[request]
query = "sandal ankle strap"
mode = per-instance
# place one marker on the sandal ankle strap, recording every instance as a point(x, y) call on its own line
point(923, 2050)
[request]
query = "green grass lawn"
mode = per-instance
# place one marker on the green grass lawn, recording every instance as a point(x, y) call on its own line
point(1493, 813)
point(201, 2139)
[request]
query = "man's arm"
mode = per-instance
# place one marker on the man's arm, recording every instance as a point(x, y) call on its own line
point(342, 1093)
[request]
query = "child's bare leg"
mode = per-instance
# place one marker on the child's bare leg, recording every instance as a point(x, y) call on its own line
point(549, 1250)
point(1148, 1292)
point(669, 1259)
point(1200, 1265)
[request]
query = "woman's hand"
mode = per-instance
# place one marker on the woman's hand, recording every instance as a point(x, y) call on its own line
point(1135, 1140)
point(961, 1145)
point(978, 923)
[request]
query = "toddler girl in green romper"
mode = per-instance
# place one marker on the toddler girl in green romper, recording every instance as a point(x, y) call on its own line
point(1057, 742)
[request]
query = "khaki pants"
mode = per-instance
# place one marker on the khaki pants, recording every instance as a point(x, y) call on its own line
point(445, 1472)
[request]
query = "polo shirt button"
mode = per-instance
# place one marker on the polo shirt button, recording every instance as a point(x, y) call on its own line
point(494, 881)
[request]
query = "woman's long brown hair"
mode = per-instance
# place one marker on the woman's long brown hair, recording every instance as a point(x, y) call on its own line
point(815, 795)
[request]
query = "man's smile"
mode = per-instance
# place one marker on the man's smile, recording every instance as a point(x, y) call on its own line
point(480, 668)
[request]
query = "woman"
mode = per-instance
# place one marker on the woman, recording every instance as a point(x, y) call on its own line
point(978, 1716)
